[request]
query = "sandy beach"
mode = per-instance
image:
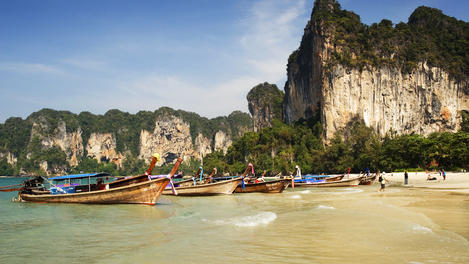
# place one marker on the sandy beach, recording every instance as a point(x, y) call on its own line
point(456, 182)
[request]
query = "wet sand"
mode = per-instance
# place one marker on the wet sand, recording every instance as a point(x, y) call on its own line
point(456, 182)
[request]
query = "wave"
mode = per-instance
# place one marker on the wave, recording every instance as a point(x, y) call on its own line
point(263, 218)
point(325, 207)
point(423, 229)
point(296, 196)
point(305, 191)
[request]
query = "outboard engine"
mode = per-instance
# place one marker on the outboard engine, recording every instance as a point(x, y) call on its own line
point(36, 183)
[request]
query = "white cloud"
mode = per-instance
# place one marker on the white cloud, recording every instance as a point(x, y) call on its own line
point(153, 91)
point(30, 68)
point(271, 31)
point(271, 35)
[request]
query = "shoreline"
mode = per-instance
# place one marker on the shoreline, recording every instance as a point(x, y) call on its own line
point(456, 182)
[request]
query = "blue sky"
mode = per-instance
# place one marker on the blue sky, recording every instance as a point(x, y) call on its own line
point(201, 56)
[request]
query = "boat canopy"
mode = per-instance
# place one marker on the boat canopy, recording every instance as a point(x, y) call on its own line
point(79, 176)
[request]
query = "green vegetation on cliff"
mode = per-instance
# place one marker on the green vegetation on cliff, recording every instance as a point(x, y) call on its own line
point(14, 135)
point(429, 36)
point(279, 148)
point(266, 94)
point(465, 121)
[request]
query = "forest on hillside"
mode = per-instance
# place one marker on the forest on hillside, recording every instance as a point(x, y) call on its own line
point(278, 149)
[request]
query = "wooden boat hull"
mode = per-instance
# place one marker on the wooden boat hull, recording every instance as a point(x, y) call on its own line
point(342, 183)
point(222, 187)
point(335, 178)
point(264, 187)
point(367, 180)
point(146, 192)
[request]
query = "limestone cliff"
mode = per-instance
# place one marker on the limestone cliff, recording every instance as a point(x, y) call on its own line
point(342, 71)
point(222, 141)
point(171, 139)
point(427, 100)
point(102, 147)
point(56, 141)
point(265, 104)
point(10, 157)
point(71, 143)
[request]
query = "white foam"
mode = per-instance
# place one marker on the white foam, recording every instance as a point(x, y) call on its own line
point(296, 196)
point(263, 218)
point(255, 220)
point(325, 207)
point(347, 190)
point(353, 190)
point(305, 191)
point(423, 229)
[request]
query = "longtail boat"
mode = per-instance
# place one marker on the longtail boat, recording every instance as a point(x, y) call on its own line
point(221, 187)
point(276, 186)
point(338, 183)
point(323, 180)
point(260, 184)
point(367, 180)
point(189, 182)
point(334, 178)
point(140, 189)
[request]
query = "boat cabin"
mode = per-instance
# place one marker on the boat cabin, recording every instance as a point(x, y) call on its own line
point(310, 178)
point(78, 183)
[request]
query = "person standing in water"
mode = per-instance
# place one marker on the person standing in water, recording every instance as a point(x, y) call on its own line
point(406, 177)
point(382, 182)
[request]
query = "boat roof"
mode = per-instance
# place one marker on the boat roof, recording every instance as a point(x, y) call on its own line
point(79, 176)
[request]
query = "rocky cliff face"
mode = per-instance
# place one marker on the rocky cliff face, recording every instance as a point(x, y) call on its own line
point(427, 100)
point(222, 141)
point(10, 157)
point(171, 139)
point(102, 147)
point(265, 104)
point(424, 100)
point(70, 143)
point(55, 141)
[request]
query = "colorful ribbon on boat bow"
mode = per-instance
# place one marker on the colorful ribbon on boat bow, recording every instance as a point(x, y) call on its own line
point(201, 174)
point(169, 176)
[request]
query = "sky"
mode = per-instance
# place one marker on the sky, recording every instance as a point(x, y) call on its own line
point(201, 56)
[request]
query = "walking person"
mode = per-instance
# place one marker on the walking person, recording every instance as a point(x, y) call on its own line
point(444, 174)
point(382, 182)
point(406, 177)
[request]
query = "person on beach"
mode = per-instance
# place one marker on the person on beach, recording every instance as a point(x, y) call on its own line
point(430, 178)
point(443, 174)
point(382, 181)
point(406, 177)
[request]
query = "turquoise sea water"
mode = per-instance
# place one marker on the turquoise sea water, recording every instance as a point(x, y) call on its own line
point(339, 225)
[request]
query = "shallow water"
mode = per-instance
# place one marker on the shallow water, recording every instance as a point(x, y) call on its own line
point(337, 225)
